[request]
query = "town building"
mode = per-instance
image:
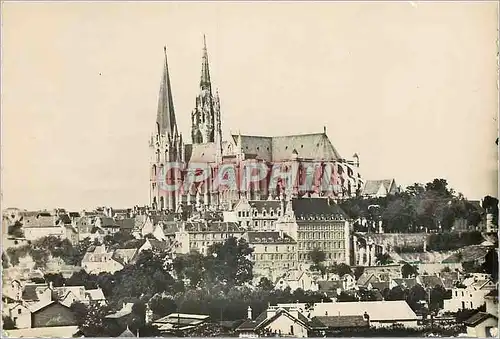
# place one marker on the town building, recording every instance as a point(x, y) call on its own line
point(274, 253)
point(470, 294)
point(317, 223)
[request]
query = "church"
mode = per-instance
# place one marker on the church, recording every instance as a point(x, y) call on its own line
point(168, 146)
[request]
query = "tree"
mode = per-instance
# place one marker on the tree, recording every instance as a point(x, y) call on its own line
point(90, 320)
point(396, 293)
point(490, 264)
point(416, 294)
point(265, 284)
point(437, 297)
point(358, 271)
point(383, 259)
point(340, 269)
point(408, 270)
point(118, 238)
point(162, 305)
point(82, 278)
point(16, 230)
point(190, 266)
point(55, 278)
point(317, 256)
point(229, 262)
point(346, 297)
point(8, 323)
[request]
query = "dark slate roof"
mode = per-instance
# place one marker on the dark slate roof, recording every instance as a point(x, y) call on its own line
point(29, 293)
point(317, 208)
point(65, 219)
point(126, 224)
point(314, 146)
point(250, 325)
point(107, 222)
point(329, 285)
point(478, 318)
point(380, 285)
point(343, 321)
point(492, 294)
point(269, 237)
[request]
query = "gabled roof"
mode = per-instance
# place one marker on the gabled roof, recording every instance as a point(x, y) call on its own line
point(405, 282)
point(345, 321)
point(478, 318)
point(65, 219)
point(126, 224)
point(315, 146)
point(372, 187)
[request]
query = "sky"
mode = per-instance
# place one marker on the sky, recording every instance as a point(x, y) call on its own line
point(411, 87)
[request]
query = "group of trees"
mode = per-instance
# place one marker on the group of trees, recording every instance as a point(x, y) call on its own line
point(433, 206)
point(41, 250)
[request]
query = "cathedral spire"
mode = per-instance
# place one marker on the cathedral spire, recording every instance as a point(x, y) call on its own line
point(165, 119)
point(205, 72)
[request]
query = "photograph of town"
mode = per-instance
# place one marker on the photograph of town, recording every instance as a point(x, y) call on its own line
point(225, 169)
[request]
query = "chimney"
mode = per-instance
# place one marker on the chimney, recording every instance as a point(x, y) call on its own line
point(324, 129)
point(249, 316)
point(366, 317)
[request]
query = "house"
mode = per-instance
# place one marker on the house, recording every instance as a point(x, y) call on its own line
point(404, 283)
point(67, 295)
point(277, 321)
point(348, 282)
point(295, 279)
point(379, 188)
point(330, 288)
point(108, 225)
point(50, 314)
point(126, 225)
point(470, 294)
point(274, 253)
point(95, 296)
point(317, 223)
point(482, 325)
point(41, 225)
point(20, 314)
point(122, 316)
point(98, 259)
point(381, 313)
point(176, 322)
point(366, 278)
point(200, 235)
point(331, 325)
point(36, 293)
point(258, 215)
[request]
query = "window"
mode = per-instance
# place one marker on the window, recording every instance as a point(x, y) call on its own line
point(265, 248)
point(239, 214)
point(291, 329)
point(19, 310)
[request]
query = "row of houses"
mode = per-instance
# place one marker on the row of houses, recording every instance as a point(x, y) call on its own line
point(31, 305)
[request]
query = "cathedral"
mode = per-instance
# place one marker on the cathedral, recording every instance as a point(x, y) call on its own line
point(167, 145)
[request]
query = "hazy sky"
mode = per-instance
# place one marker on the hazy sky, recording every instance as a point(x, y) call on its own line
point(411, 87)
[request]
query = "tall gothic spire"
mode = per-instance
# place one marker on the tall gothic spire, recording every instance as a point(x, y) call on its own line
point(205, 72)
point(165, 119)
